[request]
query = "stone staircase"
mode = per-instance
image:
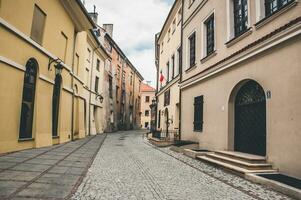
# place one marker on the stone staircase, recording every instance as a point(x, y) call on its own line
point(241, 163)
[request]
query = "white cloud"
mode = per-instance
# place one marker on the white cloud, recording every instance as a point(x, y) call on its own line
point(135, 24)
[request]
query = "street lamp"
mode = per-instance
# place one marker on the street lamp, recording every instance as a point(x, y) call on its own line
point(58, 68)
point(100, 97)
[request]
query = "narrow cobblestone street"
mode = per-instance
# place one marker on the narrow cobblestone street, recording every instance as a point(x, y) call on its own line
point(127, 167)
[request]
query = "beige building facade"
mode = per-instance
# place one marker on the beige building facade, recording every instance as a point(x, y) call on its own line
point(239, 78)
point(44, 78)
point(168, 56)
point(147, 96)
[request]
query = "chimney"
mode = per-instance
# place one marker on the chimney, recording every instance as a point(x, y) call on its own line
point(94, 15)
point(109, 29)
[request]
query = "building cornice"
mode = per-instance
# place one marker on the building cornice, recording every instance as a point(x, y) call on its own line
point(168, 86)
point(278, 36)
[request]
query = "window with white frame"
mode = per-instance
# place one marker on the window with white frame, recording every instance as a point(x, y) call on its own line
point(240, 16)
point(272, 6)
point(179, 15)
point(209, 35)
point(191, 2)
point(179, 62)
point(192, 43)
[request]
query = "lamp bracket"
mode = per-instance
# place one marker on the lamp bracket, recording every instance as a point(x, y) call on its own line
point(56, 61)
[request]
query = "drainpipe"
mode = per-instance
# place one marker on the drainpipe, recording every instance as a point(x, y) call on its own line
point(72, 82)
point(180, 95)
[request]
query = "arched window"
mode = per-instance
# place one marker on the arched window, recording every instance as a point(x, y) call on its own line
point(56, 104)
point(27, 110)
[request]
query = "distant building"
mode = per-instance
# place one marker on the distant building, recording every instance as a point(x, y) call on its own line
point(147, 95)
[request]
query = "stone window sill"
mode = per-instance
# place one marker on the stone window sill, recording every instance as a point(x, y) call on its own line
point(25, 139)
point(55, 137)
point(190, 68)
point(208, 56)
point(239, 38)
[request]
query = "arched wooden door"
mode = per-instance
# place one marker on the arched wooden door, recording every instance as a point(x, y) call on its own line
point(56, 104)
point(250, 119)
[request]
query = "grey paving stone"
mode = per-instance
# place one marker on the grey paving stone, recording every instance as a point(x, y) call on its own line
point(73, 163)
point(31, 167)
point(8, 187)
point(18, 175)
point(59, 179)
point(5, 164)
point(51, 156)
point(42, 190)
point(12, 159)
point(67, 170)
point(41, 161)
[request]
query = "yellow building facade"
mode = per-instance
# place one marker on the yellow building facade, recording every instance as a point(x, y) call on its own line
point(45, 96)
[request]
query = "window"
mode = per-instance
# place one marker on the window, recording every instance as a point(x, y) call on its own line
point(240, 15)
point(131, 79)
point(192, 50)
point(28, 98)
point(117, 91)
point(209, 24)
point(147, 99)
point(65, 45)
point(87, 76)
point(110, 87)
point(191, 2)
point(89, 55)
point(167, 72)
point(173, 66)
point(118, 72)
point(167, 98)
point(174, 26)
point(97, 64)
point(179, 15)
point(146, 124)
point(96, 84)
point(159, 119)
point(271, 6)
point(38, 25)
point(168, 34)
point(179, 51)
point(123, 77)
point(198, 113)
point(146, 113)
point(77, 64)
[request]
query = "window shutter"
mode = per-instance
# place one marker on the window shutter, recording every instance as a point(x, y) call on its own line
point(198, 113)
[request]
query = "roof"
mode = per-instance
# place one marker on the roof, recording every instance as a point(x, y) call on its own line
point(147, 88)
point(167, 18)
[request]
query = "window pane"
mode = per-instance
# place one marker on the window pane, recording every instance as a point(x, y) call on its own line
point(38, 23)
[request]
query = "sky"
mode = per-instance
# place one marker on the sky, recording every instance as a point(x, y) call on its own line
point(135, 24)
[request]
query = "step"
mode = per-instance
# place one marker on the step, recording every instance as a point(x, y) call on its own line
point(240, 163)
point(236, 169)
point(242, 156)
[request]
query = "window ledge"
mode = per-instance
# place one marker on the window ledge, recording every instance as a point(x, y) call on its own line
point(190, 68)
point(267, 19)
point(208, 56)
point(198, 131)
point(239, 38)
point(55, 137)
point(25, 139)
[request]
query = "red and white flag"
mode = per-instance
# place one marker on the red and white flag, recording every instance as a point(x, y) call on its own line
point(161, 77)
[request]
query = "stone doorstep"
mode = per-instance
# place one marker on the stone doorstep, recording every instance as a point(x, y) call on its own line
point(239, 163)
point(193, 154)
point(280, 187)
point(237, 170)
point(242, 156)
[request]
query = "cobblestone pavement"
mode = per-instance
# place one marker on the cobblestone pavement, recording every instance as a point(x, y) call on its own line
point(127, 168)
point(47, 173)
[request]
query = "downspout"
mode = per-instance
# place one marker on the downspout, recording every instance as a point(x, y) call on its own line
point(72, 82)
point(181, 66)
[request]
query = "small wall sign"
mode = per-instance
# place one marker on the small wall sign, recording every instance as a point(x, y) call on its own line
point(269, 94)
